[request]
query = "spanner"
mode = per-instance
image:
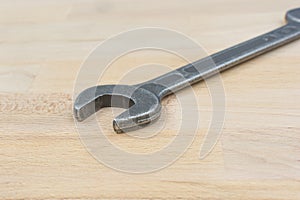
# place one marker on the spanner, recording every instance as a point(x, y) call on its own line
point(144, 100)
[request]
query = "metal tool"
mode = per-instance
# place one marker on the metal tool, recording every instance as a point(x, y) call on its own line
point(143, 100)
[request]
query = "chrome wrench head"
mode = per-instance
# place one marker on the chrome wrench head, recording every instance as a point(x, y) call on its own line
point(293, 16)
point(142, 105)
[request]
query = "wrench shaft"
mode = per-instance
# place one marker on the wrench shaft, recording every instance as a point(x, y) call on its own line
point(223, 60)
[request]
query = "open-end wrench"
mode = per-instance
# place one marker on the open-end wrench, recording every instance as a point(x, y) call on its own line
point(143, 100)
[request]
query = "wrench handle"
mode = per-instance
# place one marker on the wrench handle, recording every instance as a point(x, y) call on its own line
point(223, 60)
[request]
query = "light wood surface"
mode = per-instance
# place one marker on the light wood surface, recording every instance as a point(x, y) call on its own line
point(44, 43)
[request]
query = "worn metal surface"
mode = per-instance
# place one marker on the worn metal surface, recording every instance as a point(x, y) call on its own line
point(143, 100)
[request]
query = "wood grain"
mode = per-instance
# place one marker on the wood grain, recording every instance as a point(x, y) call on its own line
point(44, 43)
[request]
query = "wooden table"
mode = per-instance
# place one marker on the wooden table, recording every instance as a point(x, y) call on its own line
point(42, 47)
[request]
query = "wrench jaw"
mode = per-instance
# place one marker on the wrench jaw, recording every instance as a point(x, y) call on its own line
point(142, 105)
point(93, 99)
point(145, 111)
point(293, 16)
